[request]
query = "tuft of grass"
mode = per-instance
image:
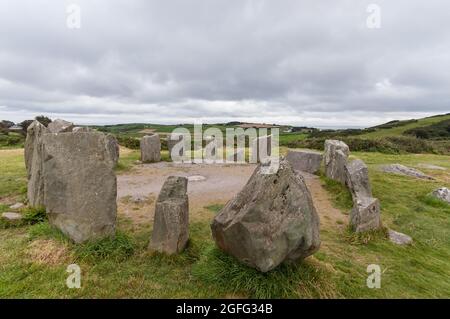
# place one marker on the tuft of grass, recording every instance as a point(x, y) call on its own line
point(44, 230)
point(365, 237)
point(34, 215)
point(225, 273)
point(118, 248)
point(434, 202)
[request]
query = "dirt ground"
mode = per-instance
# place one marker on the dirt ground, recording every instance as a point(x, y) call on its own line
point(208, 185)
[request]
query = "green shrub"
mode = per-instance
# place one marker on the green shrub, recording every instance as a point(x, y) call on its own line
point(33, 215)
point(129, 142)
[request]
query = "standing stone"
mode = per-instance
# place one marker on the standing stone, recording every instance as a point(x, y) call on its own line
point(442, 193)
point(336, 155)
point(113, 148)
point(304, 160)
point(357, 179)
point(80, 186)
point(365, 214)
point(60, 126)
point(34, 160)
point(271, 220)
point(150, 148)
point(171, 223)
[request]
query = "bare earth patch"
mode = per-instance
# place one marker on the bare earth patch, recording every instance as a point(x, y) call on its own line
point(220, 183)
point(48, 252)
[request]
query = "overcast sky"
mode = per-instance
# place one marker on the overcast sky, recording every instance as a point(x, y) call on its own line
point(293, 62)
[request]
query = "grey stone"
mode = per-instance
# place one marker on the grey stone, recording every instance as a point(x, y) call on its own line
point(196, 178)
point(113, 148)
point(365, 214)
point(171, 223)
point(304, 160)
point(80, 187)
point(17, 206)
point(357, 179)
point(399, 238)
point(336, 155)
point(405, 171)
point(34, 161)
point(12, 217)
point(150, 148)
point(442, 193)
point(60, 126)
point(82, 129)
point(271, 220)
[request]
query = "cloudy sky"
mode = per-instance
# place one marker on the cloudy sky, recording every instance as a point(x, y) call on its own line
point(296, 62)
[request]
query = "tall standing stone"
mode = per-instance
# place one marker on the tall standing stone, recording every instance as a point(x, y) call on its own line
point(305, 160)
point(336, 155)
point(34, 160)
point(365, 214)
point(171, 223)
point(271, 220)
point(150, 148)
point(80, 187)
point(60, 126)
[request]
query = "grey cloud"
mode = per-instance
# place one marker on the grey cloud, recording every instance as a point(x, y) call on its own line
point(300, 61)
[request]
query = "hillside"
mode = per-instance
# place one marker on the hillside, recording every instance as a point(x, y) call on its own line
point(400, 127)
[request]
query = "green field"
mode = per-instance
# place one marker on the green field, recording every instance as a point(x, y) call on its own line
point(33, 258)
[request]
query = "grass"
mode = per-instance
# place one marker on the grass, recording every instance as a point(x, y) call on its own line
point(34, 258)
point(13, 175)
point(399, 130)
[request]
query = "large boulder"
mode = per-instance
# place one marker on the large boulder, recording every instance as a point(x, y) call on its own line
point(34, 160)
point(60, 126)
point(271, 220)
point(80, 184)
point(357, 179)
point(442, 193)
point(336, 155)
point(400, 169)
point(150, 148)
point(171, 223)
point(304, 160)
point(365, 215)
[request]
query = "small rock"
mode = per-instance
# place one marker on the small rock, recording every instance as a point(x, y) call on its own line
point(12, 217)
point(442, 193)
point(17, 206)
point(196, 178)
point(405, 171)
point(399, 238)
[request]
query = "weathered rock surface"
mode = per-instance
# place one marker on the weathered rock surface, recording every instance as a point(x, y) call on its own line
point(336, 155)
point(442, 193)
point(150, 148)
point(80, 184)
point(34, 160)
point(271, 220)
point(82, 129)
point(365, 214)
point(399, 238)
point(304, 160)
point(60, 126)
point(357, 179)
point(171, 223)
point(405, 171)
point(113, 148)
